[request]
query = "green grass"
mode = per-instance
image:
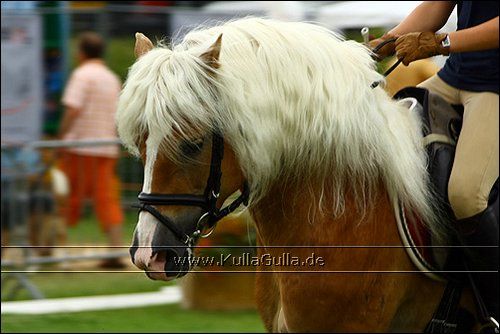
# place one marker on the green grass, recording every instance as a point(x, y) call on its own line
point(119, 54)
point(88, 230)
point(62, 285)
point(168, 318)
point(71, 284)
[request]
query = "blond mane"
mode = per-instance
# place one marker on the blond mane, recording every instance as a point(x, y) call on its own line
point(294, 102)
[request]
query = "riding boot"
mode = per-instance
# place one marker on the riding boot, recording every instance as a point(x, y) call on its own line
point(482, 230)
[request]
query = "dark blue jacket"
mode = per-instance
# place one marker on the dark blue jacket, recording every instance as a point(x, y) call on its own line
point(473, 71)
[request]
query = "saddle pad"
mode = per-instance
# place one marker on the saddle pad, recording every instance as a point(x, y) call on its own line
point(440, 130)
point(417, 240)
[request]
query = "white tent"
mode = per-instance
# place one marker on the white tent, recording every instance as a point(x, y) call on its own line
point(220, 11)
point(357, 14)
point(382, 14)
point(281, 10)
point(231, 7)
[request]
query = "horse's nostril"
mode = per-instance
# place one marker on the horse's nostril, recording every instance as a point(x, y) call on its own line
point(160, 256)
point(170, 260)
point(167, 263)
point(177, 263)
point(155, 267)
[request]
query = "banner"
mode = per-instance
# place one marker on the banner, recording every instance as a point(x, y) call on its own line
point(22, 78)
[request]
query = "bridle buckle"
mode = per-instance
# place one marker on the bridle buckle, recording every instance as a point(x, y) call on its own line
point(200, 226)
point(491, 323)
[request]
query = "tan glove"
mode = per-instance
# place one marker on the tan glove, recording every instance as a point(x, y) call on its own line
point(420, 45)
point(385, 51)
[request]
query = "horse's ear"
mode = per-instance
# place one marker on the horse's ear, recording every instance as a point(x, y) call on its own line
point(211, 56)
point(142, 44)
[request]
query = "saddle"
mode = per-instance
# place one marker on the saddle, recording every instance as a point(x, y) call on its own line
point(441, 124)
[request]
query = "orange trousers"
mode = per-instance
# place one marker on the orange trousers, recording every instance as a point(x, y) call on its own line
point(92, 176)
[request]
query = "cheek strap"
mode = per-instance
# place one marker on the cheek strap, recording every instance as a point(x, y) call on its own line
point(208, 202)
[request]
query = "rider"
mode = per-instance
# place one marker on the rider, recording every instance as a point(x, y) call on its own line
point(469, 78)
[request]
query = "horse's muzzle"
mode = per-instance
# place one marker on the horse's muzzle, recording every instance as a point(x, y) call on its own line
point(162, 263)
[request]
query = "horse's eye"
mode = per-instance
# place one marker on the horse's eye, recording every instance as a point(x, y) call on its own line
point(191, 148)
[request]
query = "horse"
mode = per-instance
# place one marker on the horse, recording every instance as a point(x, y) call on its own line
point(409, 76)
point(283, 113)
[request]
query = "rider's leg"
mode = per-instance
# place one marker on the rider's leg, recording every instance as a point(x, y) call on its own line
point(486, 225)
point(475, 170)
point(437, 86)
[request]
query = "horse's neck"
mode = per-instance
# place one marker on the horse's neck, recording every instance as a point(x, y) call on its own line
point(285, 218)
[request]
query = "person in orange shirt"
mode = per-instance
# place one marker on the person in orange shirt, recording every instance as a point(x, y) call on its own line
point(90, 99)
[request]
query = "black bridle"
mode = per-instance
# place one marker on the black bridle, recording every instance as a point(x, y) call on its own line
point(392, 68)
point(207, 202)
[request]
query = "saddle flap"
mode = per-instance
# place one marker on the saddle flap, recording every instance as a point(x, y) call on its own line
point(441, 123)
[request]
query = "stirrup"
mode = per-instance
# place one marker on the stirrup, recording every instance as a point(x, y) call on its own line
point(491, 323)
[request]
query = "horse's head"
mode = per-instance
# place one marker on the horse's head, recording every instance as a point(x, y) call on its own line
point(293, 105)
point(184, 157)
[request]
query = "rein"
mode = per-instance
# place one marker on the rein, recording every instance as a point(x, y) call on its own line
point(207, 202)
point(386, 73)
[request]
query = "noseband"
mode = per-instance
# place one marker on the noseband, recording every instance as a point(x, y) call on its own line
point(208, 201)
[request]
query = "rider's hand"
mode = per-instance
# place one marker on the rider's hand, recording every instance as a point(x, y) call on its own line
point(385, 51)
point(420, 45)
